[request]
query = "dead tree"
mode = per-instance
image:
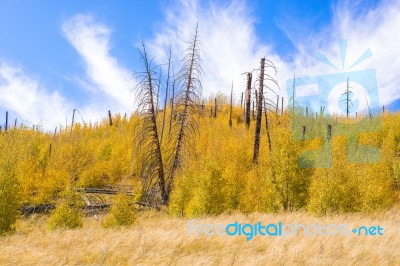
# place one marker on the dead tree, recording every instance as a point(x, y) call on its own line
point(148, 142)
point(347, 101)
point(189, 80)
point(6, 125)
point(256, 101)
point(248, 99)
point(263, 76)
point(73, 120)
point(230, 109)
point(253, 113)
point(259, 112)
point(110, 118)
point(215, 107)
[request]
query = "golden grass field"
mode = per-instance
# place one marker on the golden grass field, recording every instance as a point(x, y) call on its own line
point(159, 239)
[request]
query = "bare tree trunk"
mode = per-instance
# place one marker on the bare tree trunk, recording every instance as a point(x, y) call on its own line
point(109, 118)
point(192, 85)
point(73, 119)
point(230, 110)
point(215, 107)
point(149, 136)
point(248, 100)
point(254, 116)
point(256, 101)
point(159, 161)
point(6, 125)
point(259, 113)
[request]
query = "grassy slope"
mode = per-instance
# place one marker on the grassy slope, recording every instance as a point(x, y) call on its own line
point(158, 239)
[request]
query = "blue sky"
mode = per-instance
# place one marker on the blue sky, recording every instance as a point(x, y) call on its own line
point(59, 55)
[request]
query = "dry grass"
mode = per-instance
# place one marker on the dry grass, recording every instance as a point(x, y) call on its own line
point(158, 239)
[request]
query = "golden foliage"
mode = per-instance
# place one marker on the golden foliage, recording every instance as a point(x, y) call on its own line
point(217, 175)
point(121, 214)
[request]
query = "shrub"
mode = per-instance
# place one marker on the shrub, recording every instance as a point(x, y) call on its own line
point(9, 186)
point(65, 217)
point(9, 201)
point(121, 213)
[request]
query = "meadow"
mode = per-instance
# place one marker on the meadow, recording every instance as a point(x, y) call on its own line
point(217, 160)
point(158, 238)
point(218, 183)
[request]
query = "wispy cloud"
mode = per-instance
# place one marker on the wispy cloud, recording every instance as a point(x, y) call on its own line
point(228, 41)
point(106, 79)
point(376, 29)
point(107, 82)
point(230, 45)
point(27, 98)
point(364, 28)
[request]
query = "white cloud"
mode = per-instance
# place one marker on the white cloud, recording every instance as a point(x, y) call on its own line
point(228, 42)
point(27, 98)
point(375, 29)
point(230, 46)
point(109, 83)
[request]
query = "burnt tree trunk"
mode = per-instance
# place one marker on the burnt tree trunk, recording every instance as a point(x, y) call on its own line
point(230, 110)
point(109, 118)
point(215, 107)
point(248, 100)
point(257, 130)
point(6, 125)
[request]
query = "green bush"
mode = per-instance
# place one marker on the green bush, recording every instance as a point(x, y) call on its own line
point(9, 202)
point(65, 217)
point(10, 195)
point(121, 213)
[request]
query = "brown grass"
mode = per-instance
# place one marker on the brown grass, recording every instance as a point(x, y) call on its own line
point(158, 239)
